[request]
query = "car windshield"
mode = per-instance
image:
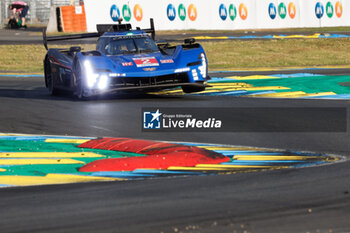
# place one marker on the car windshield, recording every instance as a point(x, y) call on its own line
point(118, 46)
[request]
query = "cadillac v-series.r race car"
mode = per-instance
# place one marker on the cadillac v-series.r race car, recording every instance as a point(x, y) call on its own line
point(124, 60)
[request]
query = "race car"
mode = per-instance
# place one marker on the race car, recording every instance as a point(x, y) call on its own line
point(125, 59)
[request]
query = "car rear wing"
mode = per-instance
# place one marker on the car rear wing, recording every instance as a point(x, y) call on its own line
point(66, 37)
point(101, 28)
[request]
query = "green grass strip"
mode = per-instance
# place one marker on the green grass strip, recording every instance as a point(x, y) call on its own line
point(312, 84)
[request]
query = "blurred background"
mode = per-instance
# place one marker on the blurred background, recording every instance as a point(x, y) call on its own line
point(39, 12)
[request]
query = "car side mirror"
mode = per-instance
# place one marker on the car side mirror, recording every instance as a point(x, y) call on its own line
point(190, 41)
point(75, 49)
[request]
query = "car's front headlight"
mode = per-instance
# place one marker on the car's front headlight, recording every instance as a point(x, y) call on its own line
point(203, 67)
point(103, 82)
point(91, 77)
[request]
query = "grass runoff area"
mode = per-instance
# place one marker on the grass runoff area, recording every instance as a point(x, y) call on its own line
point(222, 55)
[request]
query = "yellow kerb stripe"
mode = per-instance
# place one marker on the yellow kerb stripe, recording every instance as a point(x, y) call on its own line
point(38, 161)
point(57, 140)
point(321, 94)
point(219, 167)
point(253, 77)
point(50, 155)
point(210, 37)
point(51, 179)
point(176, 168)
point(282, 94)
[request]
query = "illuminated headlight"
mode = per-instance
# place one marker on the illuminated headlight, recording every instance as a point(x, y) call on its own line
point(203, 67)
point(195, 74)
point(91, 77)
point(103, 82)
point(181, 70)
point(113, 75)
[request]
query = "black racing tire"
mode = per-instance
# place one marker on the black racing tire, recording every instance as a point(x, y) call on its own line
point(79, 91)
point(49, 79)
point(191, 89)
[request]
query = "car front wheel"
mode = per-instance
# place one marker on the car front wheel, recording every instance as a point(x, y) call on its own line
point(50, 83)
point(79, 91)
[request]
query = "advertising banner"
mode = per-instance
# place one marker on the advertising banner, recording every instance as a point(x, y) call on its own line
point(219, 14)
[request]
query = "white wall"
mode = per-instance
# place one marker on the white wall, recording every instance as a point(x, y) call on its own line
point(1, 15)
point(206, 13)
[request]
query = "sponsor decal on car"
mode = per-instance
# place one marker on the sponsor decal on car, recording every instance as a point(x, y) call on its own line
point(146, 61)
point(149, 69)
point(127, 64)
point(167, 61)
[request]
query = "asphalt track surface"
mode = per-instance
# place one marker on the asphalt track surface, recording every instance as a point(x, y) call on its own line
point(314, 199)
